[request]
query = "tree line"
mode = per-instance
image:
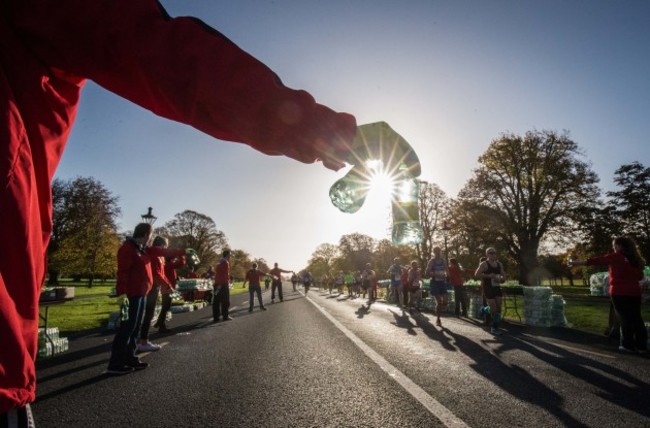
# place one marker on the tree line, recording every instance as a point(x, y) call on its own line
point(534, 197)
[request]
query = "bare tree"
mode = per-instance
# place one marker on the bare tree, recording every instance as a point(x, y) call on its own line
point(190, 229)
point(433, 204)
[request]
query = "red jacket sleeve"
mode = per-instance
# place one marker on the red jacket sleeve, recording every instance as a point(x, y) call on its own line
point(158, 271)
point(125, 258)
point(183, 70)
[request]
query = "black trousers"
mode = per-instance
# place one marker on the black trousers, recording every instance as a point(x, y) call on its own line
point(276, 284)
point(633, 331)
point(124, 343)
point(150, 308)
point(220, 301)
point(17, 418)
point(166, 305)
point(462, 304)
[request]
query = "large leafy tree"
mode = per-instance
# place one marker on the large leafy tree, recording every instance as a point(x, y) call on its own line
point(469, 234)
point(356, 249)
point(190, 229)
point(323, 261)
point(599, 224)
point(240, 263)
point(385, 252)
point(632, 202)
point(84, 237)
point(528, 189)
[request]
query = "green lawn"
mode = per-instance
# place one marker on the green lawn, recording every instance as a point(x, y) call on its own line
point(91, 307)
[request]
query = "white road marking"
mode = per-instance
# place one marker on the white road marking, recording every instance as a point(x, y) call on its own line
point(431, 404)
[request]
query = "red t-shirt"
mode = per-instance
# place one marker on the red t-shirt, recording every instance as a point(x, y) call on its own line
point(222, 275)
point(623, 277)
point(253, 276)
point(455, 276)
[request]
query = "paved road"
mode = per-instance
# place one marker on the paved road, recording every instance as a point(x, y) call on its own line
point(329, 361)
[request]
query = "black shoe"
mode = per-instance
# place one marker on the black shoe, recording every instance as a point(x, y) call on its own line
point(138, 365)
point(216, 320)
point(227, 318)
point(119, 370)
point(262, 308)
point(250, 309)
point(163, 329)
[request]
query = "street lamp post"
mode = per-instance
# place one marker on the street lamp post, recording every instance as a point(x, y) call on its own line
point(149, 218)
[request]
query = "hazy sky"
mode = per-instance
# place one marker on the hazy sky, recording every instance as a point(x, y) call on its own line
point(449, 76)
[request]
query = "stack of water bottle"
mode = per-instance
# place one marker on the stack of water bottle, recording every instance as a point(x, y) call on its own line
point(537, 306)
point(476, 309)
point(599, 284)
point(542, 308)
point(50, 343)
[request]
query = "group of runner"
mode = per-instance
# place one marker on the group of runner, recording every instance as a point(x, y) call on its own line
point(406, 287)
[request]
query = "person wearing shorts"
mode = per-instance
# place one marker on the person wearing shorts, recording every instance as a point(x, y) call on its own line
point(438, 272)
point(491, 274)
point(412, 289)
point(395, 273)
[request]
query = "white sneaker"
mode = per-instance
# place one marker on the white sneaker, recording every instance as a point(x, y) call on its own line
point(148, 347)
point(623, 350)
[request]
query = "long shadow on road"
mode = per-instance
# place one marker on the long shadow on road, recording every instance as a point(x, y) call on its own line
point(615, 386)
point(518, 382)
point(513, 379)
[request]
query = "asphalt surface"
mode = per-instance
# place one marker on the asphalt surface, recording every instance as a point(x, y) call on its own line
point(330, 361)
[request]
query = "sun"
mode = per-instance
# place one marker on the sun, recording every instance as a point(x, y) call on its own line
point(380, 181)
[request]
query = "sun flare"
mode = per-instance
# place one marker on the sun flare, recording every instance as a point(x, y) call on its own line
point(380, 181)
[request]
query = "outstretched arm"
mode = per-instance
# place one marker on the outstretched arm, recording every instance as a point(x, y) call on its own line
point(181, 69)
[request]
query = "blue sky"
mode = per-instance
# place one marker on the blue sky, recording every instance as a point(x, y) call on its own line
point(449, 76)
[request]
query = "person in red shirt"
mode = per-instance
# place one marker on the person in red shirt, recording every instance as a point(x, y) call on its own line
point(456, 279)
point(255, 287)
point(48, 49)
point(625, 268)
point(276, 282)
point(135, 279)
point(171, 264)
point(159, 280)
point(221, 294)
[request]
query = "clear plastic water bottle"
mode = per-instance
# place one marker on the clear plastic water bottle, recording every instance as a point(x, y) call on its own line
point(406, 213)
point(373, 142)
point(124, 309)
point(349, 193)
